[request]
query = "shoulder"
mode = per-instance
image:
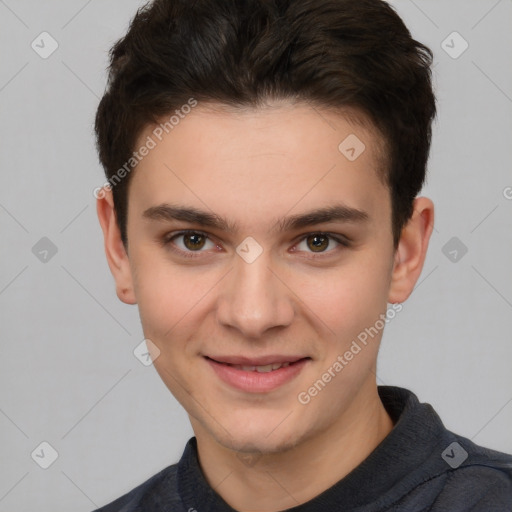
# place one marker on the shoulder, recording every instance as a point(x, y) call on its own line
point(475, 478)
point(158, 493)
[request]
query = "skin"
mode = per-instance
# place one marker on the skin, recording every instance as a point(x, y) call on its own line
point(253, 167)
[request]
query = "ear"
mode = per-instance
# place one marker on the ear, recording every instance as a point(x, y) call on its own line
point(412, 250)
point(117, 257)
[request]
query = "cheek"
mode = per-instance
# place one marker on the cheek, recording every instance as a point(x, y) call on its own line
point(161, 294)
point(349, 299)
point(172, 300)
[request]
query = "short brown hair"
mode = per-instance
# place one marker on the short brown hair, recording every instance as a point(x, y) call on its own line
point(335, 54)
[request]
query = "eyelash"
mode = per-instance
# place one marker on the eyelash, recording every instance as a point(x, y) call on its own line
point(168, 239)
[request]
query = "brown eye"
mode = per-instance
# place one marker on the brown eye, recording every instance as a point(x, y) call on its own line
point(194, 241)
point(320, 245)
point(188, 243)
point(317, 242)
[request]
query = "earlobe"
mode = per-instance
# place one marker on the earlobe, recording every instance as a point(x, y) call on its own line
point(412, 250)
point(117, 257)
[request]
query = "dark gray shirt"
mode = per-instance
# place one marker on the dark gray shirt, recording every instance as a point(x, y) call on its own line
point(420, 466)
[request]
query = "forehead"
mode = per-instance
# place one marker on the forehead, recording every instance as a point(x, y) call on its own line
point(260, 162)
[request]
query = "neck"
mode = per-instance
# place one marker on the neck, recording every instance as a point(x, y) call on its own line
point(287, 479)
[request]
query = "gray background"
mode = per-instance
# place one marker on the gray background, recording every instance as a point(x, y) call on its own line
point(68, 375)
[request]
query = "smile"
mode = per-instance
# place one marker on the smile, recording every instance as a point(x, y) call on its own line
point(254, 378)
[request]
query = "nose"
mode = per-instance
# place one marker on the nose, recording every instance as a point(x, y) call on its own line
point(255, 298)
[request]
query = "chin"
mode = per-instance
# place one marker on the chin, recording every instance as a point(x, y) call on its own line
point(257, 437)
point(254, 444)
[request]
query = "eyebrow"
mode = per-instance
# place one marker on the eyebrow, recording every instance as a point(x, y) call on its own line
point(334, 213)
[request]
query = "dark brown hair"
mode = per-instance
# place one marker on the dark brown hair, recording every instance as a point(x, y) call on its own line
point(334, 54)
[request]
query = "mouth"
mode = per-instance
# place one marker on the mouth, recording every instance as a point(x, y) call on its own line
point(259, 374)
point(261, 368)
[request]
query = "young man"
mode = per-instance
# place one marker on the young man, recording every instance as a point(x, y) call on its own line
point(264, 159)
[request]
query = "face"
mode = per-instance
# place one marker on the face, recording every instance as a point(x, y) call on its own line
point(253, 239)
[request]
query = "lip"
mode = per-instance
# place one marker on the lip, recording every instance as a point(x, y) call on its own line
point(253, 381)
point(256, 361)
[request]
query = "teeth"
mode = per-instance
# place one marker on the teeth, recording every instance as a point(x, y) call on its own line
point(260, 369)
point(264, 369)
